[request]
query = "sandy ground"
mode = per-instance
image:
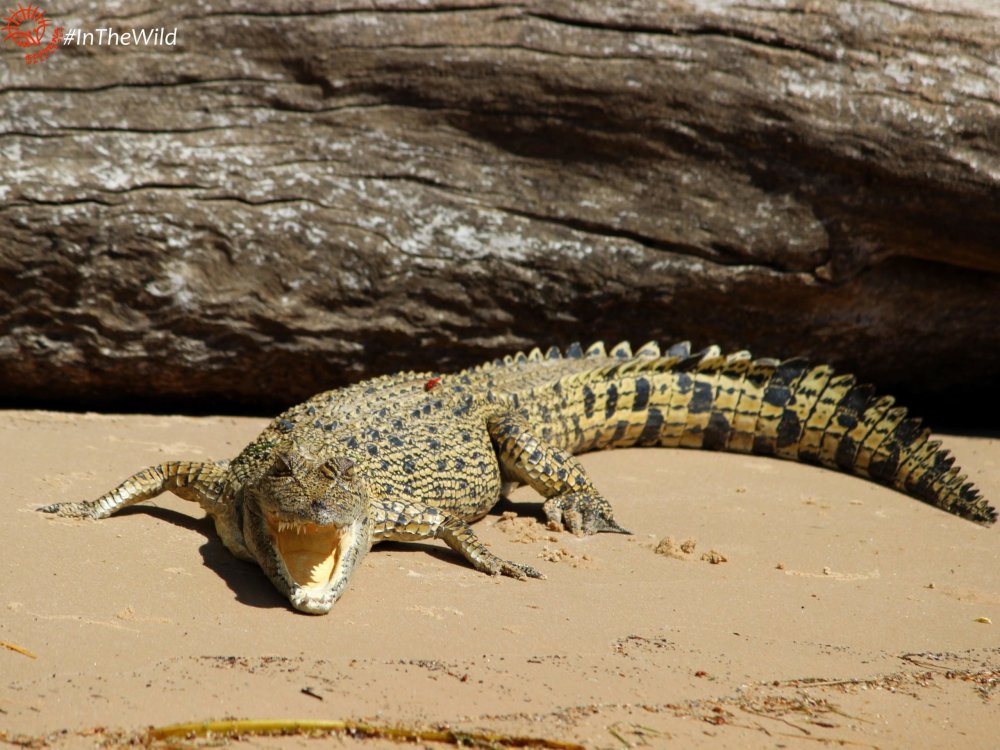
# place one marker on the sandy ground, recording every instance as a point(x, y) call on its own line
point(843, 612)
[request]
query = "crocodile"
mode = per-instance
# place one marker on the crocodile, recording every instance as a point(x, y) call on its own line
point(421, 455)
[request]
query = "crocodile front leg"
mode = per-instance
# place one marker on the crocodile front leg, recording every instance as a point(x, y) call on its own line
point(200, 482)
point(411, 521)
point(571, 498)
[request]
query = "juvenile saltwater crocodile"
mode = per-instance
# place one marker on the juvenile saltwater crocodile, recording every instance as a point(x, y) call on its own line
point(421, 455)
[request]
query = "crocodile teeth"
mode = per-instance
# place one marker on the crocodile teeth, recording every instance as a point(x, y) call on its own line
point(310, 552)
point(291, 526)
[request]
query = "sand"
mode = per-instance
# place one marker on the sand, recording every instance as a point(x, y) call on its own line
point(759, 603)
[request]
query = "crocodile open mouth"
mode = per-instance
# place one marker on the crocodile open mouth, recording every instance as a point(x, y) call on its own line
point(311, 553)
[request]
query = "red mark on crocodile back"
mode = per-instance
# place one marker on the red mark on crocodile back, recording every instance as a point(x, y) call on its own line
point(431, 383)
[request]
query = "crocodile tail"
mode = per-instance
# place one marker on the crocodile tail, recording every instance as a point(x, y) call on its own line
point(788, 409)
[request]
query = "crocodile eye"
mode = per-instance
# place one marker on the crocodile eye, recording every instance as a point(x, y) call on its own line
point(281, 467)
point(338, 468)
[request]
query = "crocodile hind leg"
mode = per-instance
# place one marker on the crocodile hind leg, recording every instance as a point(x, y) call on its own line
point(411, 521)
point(571, 500)
point(200, 482)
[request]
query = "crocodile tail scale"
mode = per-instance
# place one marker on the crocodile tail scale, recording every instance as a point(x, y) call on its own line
point(789, 409)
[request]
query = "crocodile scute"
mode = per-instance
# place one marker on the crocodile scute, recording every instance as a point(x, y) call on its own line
point(414, 456)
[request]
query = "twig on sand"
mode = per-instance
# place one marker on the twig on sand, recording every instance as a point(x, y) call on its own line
point(840, 742)
point(237, 727)
point(614, 733)
point(619, 729)
point(776, 718)
point(19, 649)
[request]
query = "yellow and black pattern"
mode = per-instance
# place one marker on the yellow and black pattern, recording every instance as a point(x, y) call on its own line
point(593, 400)
point(422, 455)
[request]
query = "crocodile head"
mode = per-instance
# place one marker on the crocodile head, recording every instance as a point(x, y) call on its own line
point(305, 521)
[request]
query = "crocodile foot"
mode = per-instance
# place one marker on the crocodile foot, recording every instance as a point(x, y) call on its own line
point(581, 513)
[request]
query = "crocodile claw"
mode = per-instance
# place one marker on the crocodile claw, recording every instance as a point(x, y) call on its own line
point(581, 513)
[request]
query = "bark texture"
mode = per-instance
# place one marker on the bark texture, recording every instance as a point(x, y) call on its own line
point(289, 200)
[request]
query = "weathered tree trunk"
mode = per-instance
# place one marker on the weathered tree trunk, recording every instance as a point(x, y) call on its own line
point(287, 201)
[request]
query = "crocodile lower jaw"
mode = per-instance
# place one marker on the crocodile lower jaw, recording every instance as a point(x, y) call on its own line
point(312, 554)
